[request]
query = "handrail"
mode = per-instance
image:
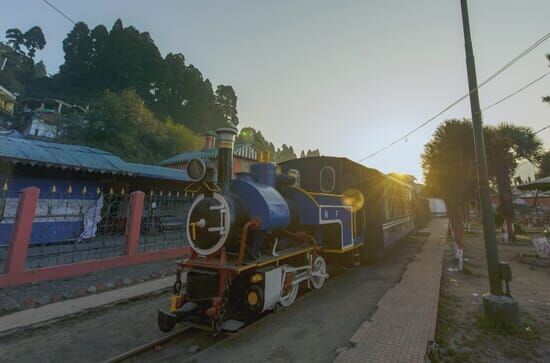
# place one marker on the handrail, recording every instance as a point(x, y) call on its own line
point(251, 224)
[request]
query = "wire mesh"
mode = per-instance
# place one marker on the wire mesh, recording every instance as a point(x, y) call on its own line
point(72, 227)
point(9, 200)
point(164, 221)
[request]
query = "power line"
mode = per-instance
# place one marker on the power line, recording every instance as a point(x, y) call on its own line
point(516, 92)
point(544, 128)
point(60, 12)
point(490, 78)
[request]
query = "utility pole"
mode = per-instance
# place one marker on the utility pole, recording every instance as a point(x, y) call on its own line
point(499, 308)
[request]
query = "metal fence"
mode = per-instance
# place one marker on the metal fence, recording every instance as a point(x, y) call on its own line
point(163, 223)
point(74, 226)
point(71, 227)
point(8, 207)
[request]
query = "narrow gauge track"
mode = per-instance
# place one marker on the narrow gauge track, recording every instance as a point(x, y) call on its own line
point(147, 346)
point(167, 339)
point(135, 352)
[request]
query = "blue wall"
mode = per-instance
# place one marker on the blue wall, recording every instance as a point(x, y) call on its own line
point(59, 214)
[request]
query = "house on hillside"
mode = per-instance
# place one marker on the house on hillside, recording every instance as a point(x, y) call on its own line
point(244, 156)
point(45, 118)
point(7, 107)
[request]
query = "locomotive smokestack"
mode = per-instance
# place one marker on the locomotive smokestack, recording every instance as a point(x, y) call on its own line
point(225, 140)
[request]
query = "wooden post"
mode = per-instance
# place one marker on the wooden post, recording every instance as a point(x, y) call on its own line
point(133, 223)
point(21, 233)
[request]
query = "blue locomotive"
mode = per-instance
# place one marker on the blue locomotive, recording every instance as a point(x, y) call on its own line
point(260, 236)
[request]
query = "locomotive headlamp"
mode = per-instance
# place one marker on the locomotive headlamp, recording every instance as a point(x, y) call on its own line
point(196, 169)
point(254, 279)
point(252, 298)
point(353, 198)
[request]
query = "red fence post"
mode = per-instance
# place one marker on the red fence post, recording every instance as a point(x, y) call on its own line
point(133, 223)
point(21, 233)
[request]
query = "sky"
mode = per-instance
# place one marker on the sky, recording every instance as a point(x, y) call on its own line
point(347, 77)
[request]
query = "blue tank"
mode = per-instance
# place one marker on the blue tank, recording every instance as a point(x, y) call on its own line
point(263, 202)
point(264, 173)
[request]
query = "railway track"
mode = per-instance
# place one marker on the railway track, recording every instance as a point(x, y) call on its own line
point(153, 344)
point(147, 346)
point(213, 342)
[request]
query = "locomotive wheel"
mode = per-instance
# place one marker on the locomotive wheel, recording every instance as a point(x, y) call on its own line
point(319, 273)
point(288, 294)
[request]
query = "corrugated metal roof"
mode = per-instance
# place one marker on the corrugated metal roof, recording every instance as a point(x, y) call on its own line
point(247, 151)
point(159, 172)
point(77, 157)
point(542, 184)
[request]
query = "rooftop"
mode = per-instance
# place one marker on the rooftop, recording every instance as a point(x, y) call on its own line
point(76, 157)
point(7, 93)
point(246, 151)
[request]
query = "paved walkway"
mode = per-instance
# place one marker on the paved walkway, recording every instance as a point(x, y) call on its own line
point(51, 312)
point(406, 317)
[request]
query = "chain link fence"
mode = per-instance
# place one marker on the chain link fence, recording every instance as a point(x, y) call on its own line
point(164, 221)
point(73, 226)
point(9, 201)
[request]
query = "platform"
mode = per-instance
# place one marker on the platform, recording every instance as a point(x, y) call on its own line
point(64, 309)
point(405, 320)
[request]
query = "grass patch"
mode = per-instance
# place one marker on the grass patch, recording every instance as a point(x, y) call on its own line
point(526, 330)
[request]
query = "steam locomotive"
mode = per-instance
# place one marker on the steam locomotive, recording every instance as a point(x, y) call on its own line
point(259, 237)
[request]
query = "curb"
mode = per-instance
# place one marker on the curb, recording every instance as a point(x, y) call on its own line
point(51, 313)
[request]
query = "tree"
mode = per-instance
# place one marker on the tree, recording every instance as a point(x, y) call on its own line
point(19, 53)
point(33, 39)
point(448, 164)
point(40, 70)
point(506, 144)
point(78, 55)
point(543, 164)
point(121, 123)
point(124, 58)
point(285, 153)
point(226, 99)
point(311, 153)
point(249, 135)
point(16, 72)
point(16, 40)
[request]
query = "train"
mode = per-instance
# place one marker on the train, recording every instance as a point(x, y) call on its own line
point(259, 237)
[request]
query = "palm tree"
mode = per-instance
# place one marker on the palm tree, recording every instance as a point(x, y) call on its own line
point(448, 164)
point(506, 144)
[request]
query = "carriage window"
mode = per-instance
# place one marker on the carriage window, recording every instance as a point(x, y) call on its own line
point(327, 179)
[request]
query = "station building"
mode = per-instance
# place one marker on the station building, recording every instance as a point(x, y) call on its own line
point(244, 156)
point(71, 179)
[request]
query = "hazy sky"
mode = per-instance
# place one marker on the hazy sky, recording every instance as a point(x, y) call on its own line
point(347, 77)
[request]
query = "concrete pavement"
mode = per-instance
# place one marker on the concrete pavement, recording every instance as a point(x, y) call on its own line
point(405, 320)
point(63, 309)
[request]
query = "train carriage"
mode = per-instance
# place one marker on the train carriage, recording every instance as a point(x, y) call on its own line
point(387, 214)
